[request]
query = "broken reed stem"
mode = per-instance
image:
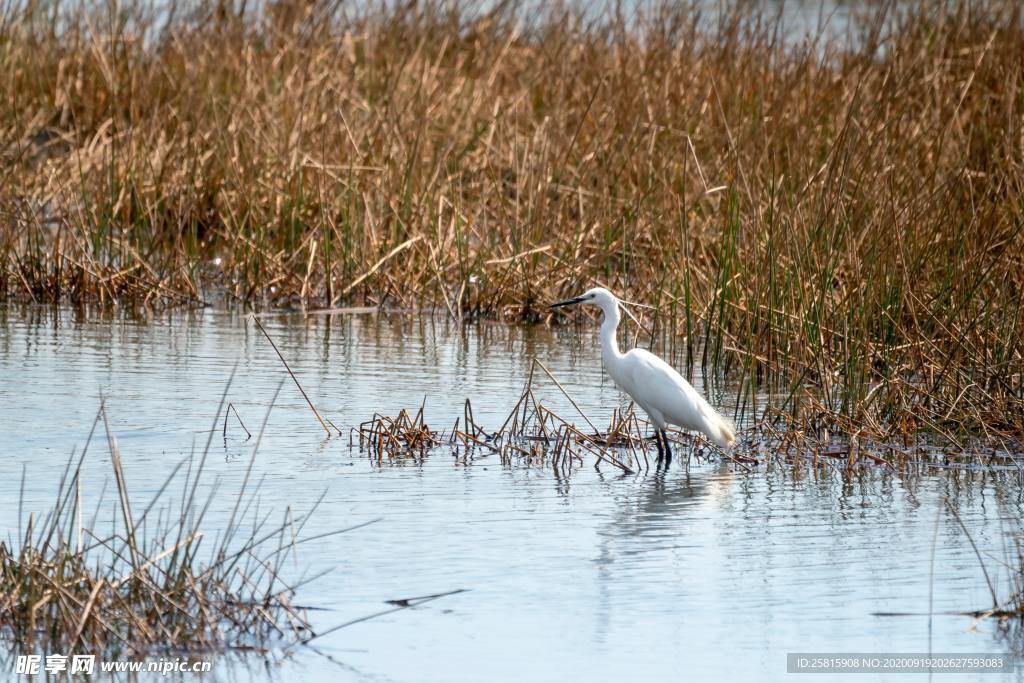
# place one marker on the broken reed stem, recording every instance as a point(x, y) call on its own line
point(400, 604)
point(229, 409)
point(600, 453)
point(565, 393)
point(122, 492)
point(294, 378)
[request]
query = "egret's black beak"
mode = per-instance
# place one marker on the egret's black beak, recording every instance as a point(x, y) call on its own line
point(568, 302)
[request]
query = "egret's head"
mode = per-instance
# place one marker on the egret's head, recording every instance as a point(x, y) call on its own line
point(598, 296)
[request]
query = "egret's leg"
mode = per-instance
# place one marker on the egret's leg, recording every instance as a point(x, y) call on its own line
point(668, 449)
point(657, 442)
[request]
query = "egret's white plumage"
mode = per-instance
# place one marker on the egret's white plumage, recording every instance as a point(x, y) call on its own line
point(653, 384)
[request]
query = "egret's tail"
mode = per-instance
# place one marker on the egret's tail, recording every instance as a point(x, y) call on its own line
point(720, 430)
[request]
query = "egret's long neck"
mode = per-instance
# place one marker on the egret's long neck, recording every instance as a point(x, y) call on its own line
point(609, 345)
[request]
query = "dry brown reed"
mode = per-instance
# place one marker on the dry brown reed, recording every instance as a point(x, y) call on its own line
point(149, 583)
point(838, 221)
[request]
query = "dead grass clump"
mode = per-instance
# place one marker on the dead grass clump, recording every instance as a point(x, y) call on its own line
point(393, 436)
point(153, 582)
point(534, 435)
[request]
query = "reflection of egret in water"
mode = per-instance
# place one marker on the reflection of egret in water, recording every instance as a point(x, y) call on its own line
point(652, 517)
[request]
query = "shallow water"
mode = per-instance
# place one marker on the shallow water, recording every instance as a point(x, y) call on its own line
point(594, 576)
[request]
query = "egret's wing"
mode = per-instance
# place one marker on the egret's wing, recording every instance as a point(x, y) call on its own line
point(664, 389)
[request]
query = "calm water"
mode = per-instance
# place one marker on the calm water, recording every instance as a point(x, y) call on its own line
point(591, 577)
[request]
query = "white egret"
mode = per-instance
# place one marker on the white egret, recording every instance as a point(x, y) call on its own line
point(652, 383)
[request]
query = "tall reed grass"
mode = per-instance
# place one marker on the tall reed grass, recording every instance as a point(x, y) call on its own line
point(837, 220)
